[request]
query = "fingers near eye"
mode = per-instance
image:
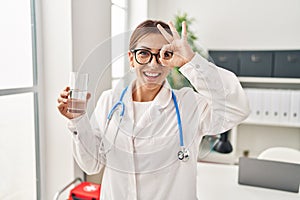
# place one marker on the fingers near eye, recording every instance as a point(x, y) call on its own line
point(184, 33)
point(174, 30)
point(167, 36)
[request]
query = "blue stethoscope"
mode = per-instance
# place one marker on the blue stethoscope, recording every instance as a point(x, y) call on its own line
point(183, 154)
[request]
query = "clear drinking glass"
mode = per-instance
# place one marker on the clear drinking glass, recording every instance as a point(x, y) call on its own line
point(78, 92)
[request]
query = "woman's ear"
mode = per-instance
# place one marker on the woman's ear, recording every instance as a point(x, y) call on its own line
point(131, 58)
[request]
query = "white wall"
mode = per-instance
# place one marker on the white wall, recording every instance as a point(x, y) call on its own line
point(91, 47)
point(138, 12)
point(55, 59)
point(67, 31)
point(91, 32)
point(237, 24)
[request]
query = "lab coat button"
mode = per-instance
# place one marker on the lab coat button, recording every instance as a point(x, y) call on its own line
point(75, 132)
point(197, 66)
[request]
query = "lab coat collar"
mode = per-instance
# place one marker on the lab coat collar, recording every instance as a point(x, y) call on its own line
point(164, 96)
point(157, 106)
point(160, 102)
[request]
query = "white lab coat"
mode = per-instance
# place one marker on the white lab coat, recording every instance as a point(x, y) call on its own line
point(142, 162)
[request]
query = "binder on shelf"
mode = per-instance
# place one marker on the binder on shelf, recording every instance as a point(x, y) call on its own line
point(266, 105)
point(295, 107)
point(250, 94)
point(274, 104)
point(284, 109)
point(258, 104)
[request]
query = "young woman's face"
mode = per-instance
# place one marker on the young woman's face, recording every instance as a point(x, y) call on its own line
point(149, 74)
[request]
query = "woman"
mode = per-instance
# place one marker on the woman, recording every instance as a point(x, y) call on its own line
point(151, 152)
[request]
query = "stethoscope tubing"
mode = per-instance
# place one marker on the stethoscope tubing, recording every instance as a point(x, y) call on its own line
point(178, 119)
point(183, 154)
point(120, 102)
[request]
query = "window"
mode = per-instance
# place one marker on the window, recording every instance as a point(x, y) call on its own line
point(19, 169)
point(119, 10)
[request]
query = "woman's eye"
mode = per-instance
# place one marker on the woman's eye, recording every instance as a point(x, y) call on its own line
point(168, 55)
point(143, 53)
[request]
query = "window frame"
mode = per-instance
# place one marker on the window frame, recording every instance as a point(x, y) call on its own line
point(34, 89)
point(126, 10)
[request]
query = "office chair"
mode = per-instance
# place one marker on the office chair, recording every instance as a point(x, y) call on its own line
point(282, 154)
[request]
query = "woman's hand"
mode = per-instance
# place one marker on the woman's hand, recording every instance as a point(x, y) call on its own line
point(63, 104)
point(182, 52)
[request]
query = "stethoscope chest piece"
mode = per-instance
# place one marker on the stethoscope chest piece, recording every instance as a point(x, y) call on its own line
point(183, 155)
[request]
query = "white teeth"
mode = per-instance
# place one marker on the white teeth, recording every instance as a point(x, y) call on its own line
point(151, 74)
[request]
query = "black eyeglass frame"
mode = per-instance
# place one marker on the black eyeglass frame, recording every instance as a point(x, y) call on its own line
point(156, 55)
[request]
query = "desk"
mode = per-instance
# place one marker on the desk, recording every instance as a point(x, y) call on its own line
point(219, 181)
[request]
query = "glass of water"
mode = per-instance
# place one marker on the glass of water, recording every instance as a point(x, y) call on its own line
point(78, 92)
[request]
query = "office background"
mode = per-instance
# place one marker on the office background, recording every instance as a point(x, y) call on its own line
point(68, 30)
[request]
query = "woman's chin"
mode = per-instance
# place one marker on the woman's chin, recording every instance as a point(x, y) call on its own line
point(152, 86)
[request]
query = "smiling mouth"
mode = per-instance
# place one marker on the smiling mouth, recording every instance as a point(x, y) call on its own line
point(152, 74)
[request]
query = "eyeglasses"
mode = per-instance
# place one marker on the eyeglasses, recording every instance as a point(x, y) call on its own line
point(144, 56)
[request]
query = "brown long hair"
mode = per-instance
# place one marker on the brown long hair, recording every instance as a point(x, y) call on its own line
point(145, 28)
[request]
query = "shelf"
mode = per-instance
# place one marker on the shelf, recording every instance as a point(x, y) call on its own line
point(216, 157)
point(282, 130)
point(269, 80)
point(265, 123)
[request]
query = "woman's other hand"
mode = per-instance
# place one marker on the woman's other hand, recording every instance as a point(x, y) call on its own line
point(182, 52)
point(63, 101)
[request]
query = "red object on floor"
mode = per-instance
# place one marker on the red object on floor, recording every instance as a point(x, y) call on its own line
point(85, 191)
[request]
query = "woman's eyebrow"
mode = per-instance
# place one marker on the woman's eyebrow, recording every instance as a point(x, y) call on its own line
point(148, 48)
